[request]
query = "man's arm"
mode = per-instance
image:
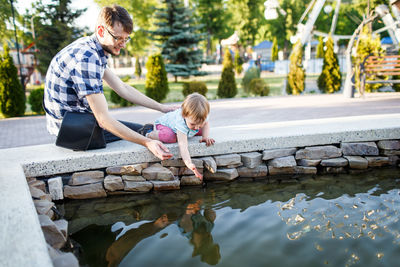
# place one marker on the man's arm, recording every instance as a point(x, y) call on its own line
point(132, 94)
point(99, 106)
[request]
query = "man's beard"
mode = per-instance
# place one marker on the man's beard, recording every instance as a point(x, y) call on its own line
point(105, 48)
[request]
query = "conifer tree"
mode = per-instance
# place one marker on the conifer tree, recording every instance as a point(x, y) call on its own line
point(396, 86)
point(274, 50)
point(156, 78)
point(179, 39)
point(138, 68)
point(238, 63)
point(227, 85)
point(330, 78)
point(320, 48)
point(296, 76)
point(12, 97)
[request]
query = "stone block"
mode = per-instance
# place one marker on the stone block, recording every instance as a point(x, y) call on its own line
point(252, 159)
point(319, 152)
point(187, 171)
point(166, 185)
point(66, 260)
point(87, 177)
point(305, 170)
point(113, 183)
point(179, 163)
point(191, 180)
point(229, 159)
point(43, 206)
point(308, 162)
point(390, 152)
point(85, 191)
point(62, 225)
point(221, 175)
point(157, 172)
point(393, 160)
point(39, 184)
point(231, 166)
point(39, 194)
point(357, 162)
point(278, 153)
point(52, 234)
point(210, 164)
point(281, 170)
point(133, 178)
point(174, 170)
point(336, 162)
point(259, 171)
point(282, 162)
point(139, 187)
point(333, 170)
point(389, 144)
point(56, 188)
point(378, 161)
point(134, 169)
point(360, 149)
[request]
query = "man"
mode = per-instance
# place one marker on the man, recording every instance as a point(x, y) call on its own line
point(74, 81)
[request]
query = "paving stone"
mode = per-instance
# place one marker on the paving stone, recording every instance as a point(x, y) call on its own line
point(282, 162)
point(84, 191)
point(335, 162)
point(139, 187)
point(87, 177)
point(308, 162)
point(389, 144)
point(52, 234)
point(229, 159)
point(157, 172)
point(113, 183)
point(180, 163)
point(378, 161)
point(278, 153)
point(56, 188)
point(357, 162)
point(259, 171)
point(166, 185)
point(134, 169)
point(210, 164)
point(190, 180)
point(319, 152)
point(39, 184)
point(360, 149)
point(187, 171)
point(221, 175)
point(251, 160)
point(133, 178)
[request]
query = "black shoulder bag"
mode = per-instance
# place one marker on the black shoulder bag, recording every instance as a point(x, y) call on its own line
point(80, 131)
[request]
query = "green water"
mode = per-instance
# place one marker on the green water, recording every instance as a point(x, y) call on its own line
point(343, 220)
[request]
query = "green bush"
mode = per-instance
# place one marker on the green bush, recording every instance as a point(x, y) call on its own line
point(138, 68)
point(116, 99)
point(296, 76)
point(259, 87)
point(36, 99)
point(12, 96)
point(250, 74)
point(126, 78)
point(156, 78)
point(227, 85)
point(238, 63)
point(194, 87)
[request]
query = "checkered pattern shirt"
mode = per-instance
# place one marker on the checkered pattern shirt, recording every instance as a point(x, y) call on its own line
point(75, 72)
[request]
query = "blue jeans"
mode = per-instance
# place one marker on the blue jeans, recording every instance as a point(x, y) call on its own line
point(109, 137)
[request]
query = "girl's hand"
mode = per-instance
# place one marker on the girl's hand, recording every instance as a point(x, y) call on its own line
point(207, 140)
point(192, 167)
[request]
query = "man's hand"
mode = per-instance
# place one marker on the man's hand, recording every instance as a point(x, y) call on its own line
point(158, 149)
point(207, 140)
point(165, 108)
point(192, 167)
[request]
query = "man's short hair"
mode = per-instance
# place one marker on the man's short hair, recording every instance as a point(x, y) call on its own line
point(111, 14)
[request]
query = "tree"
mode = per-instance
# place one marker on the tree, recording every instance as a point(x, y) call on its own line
point(138, 68)
point(296, 76)
point(396, 86)
point(179, 39)
point(238, 63)
point(5, 17)
point(12, 98)
point(330, 78)
point(54, 30)
point(156, 78)
point(274, 50)
point(227, 85)
point(320, 47)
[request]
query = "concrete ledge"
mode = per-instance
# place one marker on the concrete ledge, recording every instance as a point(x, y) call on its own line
point(22, 242)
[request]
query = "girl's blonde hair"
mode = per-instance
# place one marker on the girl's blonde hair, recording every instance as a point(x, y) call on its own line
point(196, 107)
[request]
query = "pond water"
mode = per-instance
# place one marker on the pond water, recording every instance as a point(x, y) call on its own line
point(341, 220)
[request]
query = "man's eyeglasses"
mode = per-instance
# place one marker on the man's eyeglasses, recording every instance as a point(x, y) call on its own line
point(118, 39)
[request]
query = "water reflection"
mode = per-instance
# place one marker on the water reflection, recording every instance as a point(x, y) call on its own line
point(331, 220)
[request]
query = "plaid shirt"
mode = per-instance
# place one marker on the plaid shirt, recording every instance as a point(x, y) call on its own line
point(75, 72)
